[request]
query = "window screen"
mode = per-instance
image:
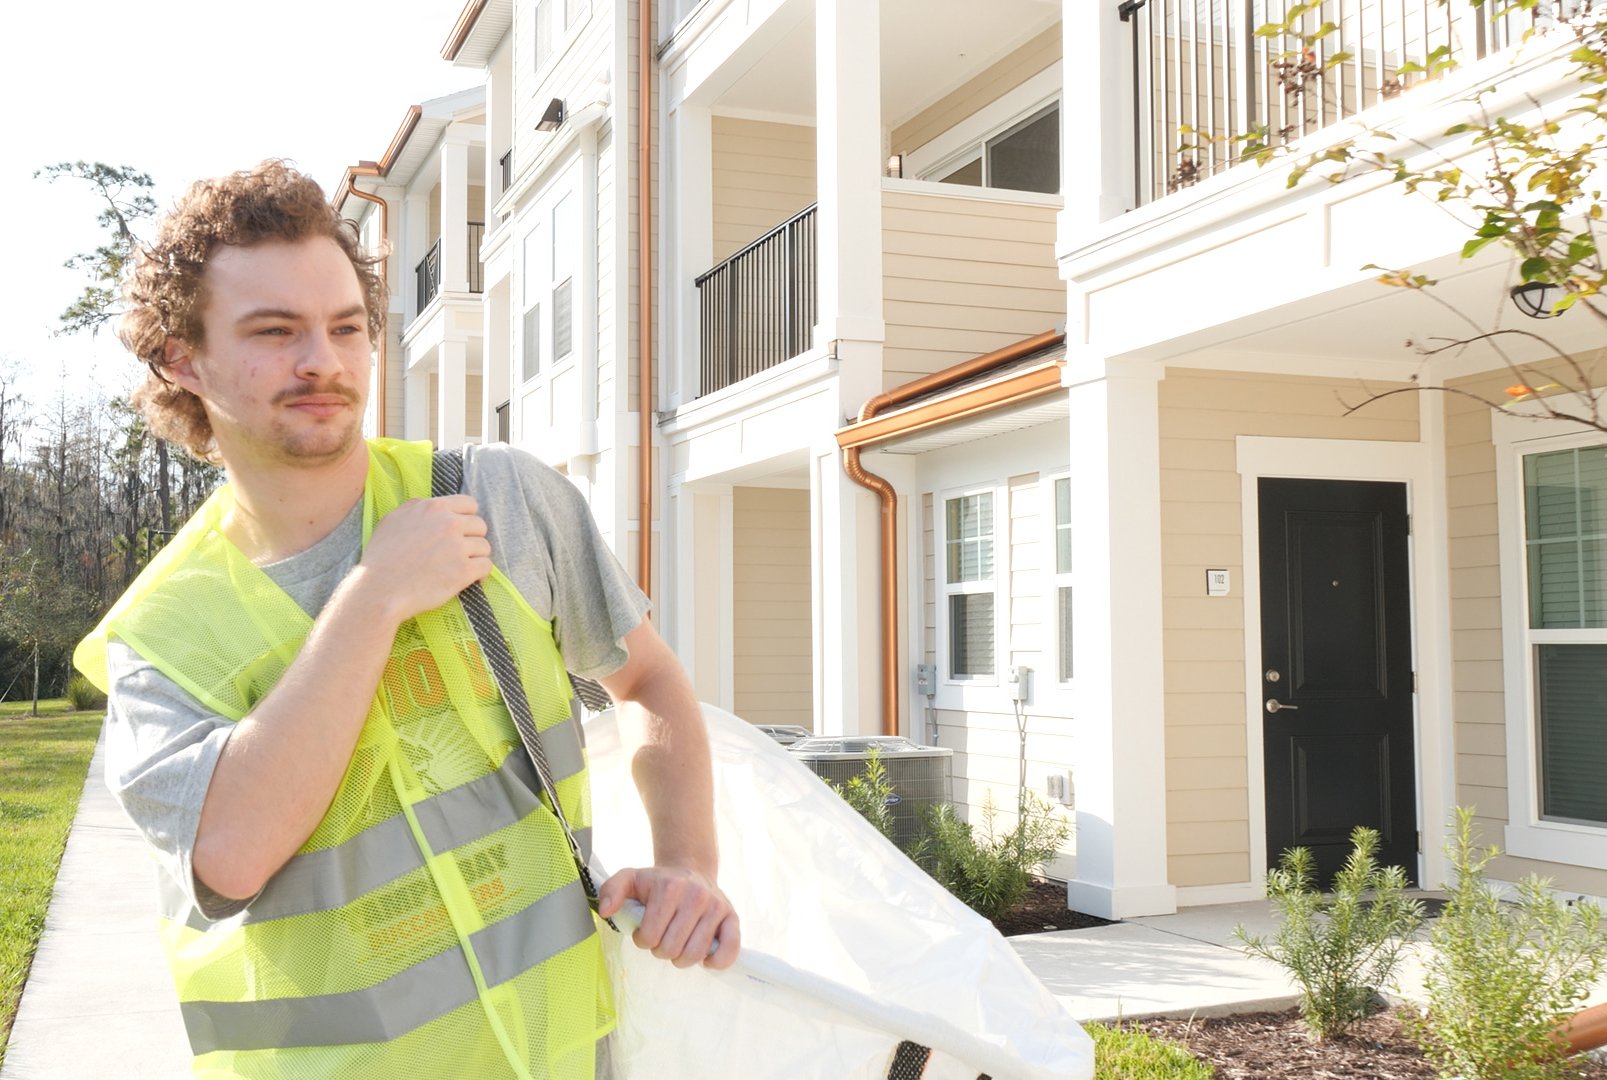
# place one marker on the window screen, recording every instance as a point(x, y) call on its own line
point(1565, 511)
point(1571, 682)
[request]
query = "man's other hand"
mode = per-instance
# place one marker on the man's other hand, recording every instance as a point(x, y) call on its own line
point(687, 915)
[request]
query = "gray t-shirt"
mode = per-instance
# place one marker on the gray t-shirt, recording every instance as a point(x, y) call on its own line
point(162, 745)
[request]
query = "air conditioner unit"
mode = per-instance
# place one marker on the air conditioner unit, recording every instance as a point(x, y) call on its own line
point(920, 776)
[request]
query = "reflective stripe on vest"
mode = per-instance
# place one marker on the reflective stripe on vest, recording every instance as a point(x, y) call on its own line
point(404, 1001)
point(435, 908)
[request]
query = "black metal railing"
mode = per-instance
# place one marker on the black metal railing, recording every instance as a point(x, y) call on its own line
point(758, 307)
point(506, 162)
point(428, 274)
point(428, 271)
point(1206, 84)
point(476, 268)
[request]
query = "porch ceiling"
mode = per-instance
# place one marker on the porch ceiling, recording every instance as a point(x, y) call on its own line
point(929, 48)
point(1375, 326)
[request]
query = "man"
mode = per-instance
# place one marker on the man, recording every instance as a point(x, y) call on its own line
point(359, 875)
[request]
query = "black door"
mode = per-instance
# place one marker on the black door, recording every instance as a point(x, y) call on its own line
point(1336, 669)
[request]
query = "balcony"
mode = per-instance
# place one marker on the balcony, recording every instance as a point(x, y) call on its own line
point(1205, 81)
point(427, 274)
point(758, 308)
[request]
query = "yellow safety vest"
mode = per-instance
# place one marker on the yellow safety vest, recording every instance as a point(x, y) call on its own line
point(433, 924)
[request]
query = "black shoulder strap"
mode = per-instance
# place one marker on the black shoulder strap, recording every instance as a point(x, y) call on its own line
point(447, 479)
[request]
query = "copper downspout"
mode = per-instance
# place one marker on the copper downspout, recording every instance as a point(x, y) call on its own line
point(368, 168)
point(889, 500)
point(644, 348)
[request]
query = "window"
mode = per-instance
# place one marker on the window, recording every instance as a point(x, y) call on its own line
point(969, 584)
point(1023, 157)
point(1062, 584)
point(533, 287)
point(544, 32)
point(1565, 557)
point(565, 254)
point(575, 12)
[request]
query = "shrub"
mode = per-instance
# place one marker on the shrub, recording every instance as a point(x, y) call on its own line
point(870, 793)
point(1340, 947)
point(990, 875)
point(84, 695)
point(1501, 976)
point(1129, 1054)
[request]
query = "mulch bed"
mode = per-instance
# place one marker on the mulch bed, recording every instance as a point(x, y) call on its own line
point(1276, 1046)
point(1044, 909)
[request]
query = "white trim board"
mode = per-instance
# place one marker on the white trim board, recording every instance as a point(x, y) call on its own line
point(1410, 463)
point(1516, 432)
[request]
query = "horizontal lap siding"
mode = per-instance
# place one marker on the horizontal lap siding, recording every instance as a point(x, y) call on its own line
point(764, 173)
point(772, 664)
point(1201, 414)
point(962, 277)
point(995, 82)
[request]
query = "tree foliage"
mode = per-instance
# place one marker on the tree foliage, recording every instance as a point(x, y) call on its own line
point(1527, 179)
point(126, 202)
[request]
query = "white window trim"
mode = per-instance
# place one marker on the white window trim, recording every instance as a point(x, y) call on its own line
point(1038, 92)
point(959, 692)
point(1517, 432)
point(1054, 581)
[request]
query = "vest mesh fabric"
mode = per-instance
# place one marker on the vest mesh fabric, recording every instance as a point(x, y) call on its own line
point(346, 975)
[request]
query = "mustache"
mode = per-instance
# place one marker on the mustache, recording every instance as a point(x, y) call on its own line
point(316, 390)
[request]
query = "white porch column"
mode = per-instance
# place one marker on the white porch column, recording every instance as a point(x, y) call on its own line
point(496, 357)
point(843, 576)
point(690, 248)
point(1119, 751)
point(451, 379)
point(1096, 137)
point(415, 245)
point(416, 417)
point(697, 598)
point(455, 211)
point(848, 137)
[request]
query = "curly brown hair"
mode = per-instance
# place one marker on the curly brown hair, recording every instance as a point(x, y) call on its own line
point(166, 291)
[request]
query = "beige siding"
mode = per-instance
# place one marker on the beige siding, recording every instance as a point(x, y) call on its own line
point(1478, 674)
point(772, 665)
point(962, 277)
point(763, 174)
point(1201, 414)
point(987, 87)
point(987, 745)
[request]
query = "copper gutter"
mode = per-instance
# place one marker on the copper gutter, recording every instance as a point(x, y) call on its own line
point(461, 29)
point(856, 437)
point(348, 186)
point(644, 285)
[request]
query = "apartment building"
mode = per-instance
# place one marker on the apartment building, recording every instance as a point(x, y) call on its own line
point(997, 400)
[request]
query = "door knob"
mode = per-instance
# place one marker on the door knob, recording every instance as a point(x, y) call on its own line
point(1274, 705)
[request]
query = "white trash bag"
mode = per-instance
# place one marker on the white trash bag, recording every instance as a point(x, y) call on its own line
point(849, 949)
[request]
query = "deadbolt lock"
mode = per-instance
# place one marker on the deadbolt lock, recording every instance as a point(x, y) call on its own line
point(1272, 675)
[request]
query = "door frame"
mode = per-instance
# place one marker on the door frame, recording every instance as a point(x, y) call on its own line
point(1420, 466)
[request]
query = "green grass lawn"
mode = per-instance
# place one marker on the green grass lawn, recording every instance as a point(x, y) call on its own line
point(47, 706)
point(1122, 1053)
point(43, 761)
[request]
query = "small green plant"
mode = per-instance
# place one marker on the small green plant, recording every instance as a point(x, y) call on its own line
point(990, 875)
point(1502, 975)
point(84, 695)
point(1123, 1053)
point(1339, 947)
point(870, 793)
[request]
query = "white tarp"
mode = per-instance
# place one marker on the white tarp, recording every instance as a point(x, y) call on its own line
point(848, 947)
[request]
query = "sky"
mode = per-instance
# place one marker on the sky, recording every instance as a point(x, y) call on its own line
point(183, 89)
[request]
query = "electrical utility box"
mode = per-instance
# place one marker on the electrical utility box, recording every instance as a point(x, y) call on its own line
point(920, 776)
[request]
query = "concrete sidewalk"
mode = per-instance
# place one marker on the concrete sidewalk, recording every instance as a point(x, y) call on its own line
point(99, 1001)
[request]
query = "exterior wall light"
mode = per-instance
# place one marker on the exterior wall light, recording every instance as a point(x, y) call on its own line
point(895, 166)
point(553, 117)
point(1537, 299)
